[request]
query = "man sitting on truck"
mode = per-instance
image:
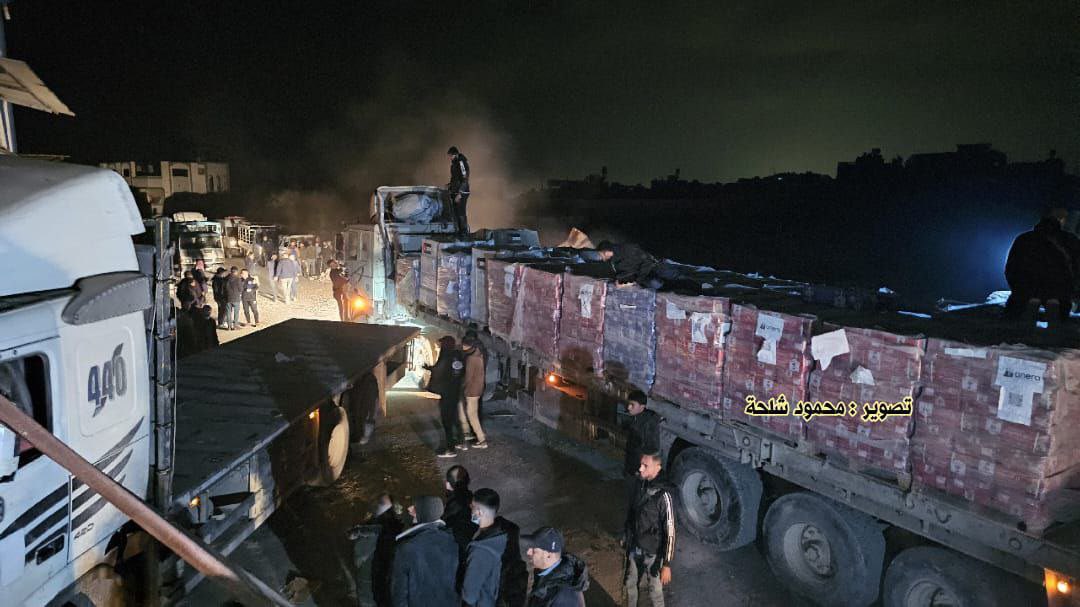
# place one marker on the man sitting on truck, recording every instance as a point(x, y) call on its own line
point(1041, 271)
point(633, 264)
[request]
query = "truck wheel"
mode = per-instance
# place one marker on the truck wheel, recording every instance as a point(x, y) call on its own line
point(718, 498)
point(333, 445)
point(927, 576)
point(824, 550)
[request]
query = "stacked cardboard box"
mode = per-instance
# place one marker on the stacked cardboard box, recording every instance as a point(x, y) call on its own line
point(408, 284)
point(768, 354)
point(454, 285)
point(429, 273)
point(581, 325)
point(690, 334)
point(1000, 426)
point(630, 335)
point(537, 310)
point(503, 278)
point(865, 366)
point(478, 311)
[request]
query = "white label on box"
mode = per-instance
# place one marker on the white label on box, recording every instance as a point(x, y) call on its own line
point(767, 353)
point(1015, 407)
point(508, 282)
point(967, 352)
point(450, 288)
point(699, 322)
point(585, 297)
point(1020, 381)
point(721, 335)
point(862, 375)
point(827, 346)
point(770, 327)
point(674, 312)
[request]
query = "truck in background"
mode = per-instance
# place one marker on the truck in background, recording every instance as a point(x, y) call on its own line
point(87, 348)
point(195, 238)
point(230, 234)
point(260, 239)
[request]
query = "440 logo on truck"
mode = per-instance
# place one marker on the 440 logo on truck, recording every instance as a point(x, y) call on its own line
point(108, 380)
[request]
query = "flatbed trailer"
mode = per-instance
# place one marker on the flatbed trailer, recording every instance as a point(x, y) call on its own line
point(747, 464)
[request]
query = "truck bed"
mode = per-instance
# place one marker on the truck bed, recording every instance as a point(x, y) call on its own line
point(233, 400)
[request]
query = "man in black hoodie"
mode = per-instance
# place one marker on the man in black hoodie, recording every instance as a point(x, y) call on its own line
point(234, 296)
point(642, 436)
point(650, 533)
point(221, 297)
point(446, 376)
point(458, 512)
point(1041, 270)
point(560, 578)
point(481, 580)
point(459, 185)
point(514, 579)
point(425, 560)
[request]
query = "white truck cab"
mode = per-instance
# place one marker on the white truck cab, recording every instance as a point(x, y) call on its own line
point(73, 353)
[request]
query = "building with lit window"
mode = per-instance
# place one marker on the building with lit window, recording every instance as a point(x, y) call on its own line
point(159, 180)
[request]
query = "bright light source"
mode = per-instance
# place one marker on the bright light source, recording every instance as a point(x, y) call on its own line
point(1063, 587)
point(195, 501)
point(311, 415)
point(552, 378)
point(359, 303)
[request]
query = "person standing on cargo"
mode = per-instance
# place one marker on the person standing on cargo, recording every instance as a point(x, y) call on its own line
point(459, 186)
point(446, 376)
point(472, 390)
point(424, 573)
point(650, 533)
point(642, 436)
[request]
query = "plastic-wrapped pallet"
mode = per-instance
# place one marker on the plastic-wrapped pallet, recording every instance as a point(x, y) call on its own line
point(503, 280)
point(454, 289)
point(768, 354)
point(581, 325)
point(630, 335)
point(429, 267)
point(537, 310)
point(865, 366)
point(465, 290)
point(478, 311)
point(408, 285)
point(1000, 426)
point(690, 334)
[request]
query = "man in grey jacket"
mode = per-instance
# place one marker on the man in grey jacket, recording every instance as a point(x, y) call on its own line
point(483, 560)
point(286, 272)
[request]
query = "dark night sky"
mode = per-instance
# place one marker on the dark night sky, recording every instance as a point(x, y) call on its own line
point(298, 96)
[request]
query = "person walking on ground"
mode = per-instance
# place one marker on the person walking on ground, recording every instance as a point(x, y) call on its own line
point(472, 390)
point(339, 284)
point(424, 573)
point(286, 273)
point(234, 296)
point(250, 263)
point(560, 579)
point(446, 377)
point(206, 329)
point(484, 556)
point(271, 268)
point(459, 186)
point(318, 257)
point(458, 512)
point(642, 436)
point(250, 296)
point(221, 296)
point(650, 534)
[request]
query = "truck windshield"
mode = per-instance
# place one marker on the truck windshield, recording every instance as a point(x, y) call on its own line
point(200, 241)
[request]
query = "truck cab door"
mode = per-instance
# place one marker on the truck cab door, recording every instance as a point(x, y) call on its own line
point(35, 524)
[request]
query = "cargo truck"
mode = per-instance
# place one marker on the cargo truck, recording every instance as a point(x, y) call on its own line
point(215, 441)
point(832, 530)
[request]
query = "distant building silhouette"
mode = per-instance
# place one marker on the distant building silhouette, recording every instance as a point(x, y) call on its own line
point(159, 180)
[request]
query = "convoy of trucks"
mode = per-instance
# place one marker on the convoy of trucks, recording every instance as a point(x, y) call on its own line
point(214, 441)
point(848, 511)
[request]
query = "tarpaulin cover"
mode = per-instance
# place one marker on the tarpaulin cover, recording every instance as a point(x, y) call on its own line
point(690, 334)
point(768, 354)
point(504, 279)
point(454, 286)
point(581, 325)
point(408, 285)
point(1000, 426)
point(415, 207)
point(865, 366)
point(630, 335)
point(537, 309)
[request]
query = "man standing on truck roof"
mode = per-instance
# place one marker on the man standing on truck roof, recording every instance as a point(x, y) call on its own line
point(650, 533)
point(459, 186)
point(642, 436)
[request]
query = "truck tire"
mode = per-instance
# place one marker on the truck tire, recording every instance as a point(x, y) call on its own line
point(823, 550)
point(333, 445)
point(925, 576)
point(718, 498)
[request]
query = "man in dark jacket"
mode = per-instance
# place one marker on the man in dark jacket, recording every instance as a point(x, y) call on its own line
point(480, 583)
point(340, 285)
point(386, 517)
point(425, 560)
point(631, 263)
point(205, 329)
point(560, 578)
point(234, 296)
point(1040, 270)
point(458, 512)
point(250, 296)
point(459, 185)
point(642, 436)
point(446, 376)
point(221, 296)
point(650, 533)
point(514, 579)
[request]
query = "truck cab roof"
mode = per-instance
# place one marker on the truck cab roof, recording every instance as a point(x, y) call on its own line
point(62, 222)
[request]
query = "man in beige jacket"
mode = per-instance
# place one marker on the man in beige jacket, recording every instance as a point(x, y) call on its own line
point(472, 390)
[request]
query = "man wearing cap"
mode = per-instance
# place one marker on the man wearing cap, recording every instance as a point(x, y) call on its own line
point(425, 559)
point(650, 533)
point(560, 578)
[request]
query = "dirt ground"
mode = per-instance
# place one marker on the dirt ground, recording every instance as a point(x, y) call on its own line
point(542, 477)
